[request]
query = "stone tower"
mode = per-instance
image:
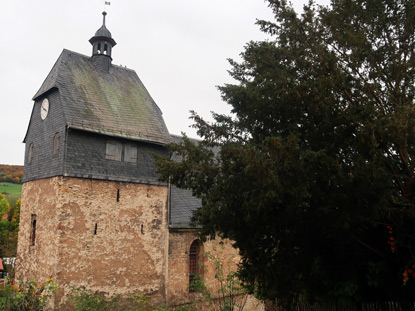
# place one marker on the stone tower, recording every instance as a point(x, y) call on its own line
point(93, 212)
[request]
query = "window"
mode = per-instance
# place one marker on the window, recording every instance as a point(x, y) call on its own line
point(56, 144)
point(130, 154)
point(33, 230)
point(30, 155)
point(194, 258)
point(114, 151)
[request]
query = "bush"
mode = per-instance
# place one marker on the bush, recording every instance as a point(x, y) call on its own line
point(29, 296)
point(86, 300)
point(26, 296)
point(227, 292)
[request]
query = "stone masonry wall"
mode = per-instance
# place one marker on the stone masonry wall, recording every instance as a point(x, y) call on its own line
point(39, 261)
point(178, 277)
point(108, 237)
point(112, 238)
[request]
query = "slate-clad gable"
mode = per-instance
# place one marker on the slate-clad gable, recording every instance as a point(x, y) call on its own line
point(41, 134)
point(114, 103)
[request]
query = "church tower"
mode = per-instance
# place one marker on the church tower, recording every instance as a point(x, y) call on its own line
point(93, 212)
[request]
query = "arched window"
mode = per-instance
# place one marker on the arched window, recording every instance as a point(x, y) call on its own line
point(56, 144)
point(194, 263)
point(30, 155)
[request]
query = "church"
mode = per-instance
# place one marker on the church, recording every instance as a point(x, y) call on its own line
point(94, 214)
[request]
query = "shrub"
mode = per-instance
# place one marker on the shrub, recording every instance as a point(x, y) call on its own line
point(86, 300)
point(226, 293)
point(26, 295)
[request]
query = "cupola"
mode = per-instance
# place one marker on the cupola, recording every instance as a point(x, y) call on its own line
point(102, 44)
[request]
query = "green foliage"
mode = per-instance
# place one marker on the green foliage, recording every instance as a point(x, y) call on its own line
point(9, 228)
point(314, 177)
point(86, 300)
point(13, 198)
point(26, 296)
point(4, 205)
point(29, 296)
point(11, 191)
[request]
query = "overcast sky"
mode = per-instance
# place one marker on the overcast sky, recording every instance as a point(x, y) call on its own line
point(179, 49)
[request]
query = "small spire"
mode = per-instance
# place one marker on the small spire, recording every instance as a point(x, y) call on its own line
point(102, 42)
point(104, 14)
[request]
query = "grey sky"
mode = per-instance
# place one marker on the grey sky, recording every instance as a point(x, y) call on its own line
point(179, 49)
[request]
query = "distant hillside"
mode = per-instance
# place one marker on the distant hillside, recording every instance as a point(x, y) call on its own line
point(11, 173)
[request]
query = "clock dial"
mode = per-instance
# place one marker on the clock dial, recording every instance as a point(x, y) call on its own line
point(44, 109)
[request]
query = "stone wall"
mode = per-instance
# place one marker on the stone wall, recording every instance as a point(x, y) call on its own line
point(112, 238)
point(39, 261)
point(109, 237)
point(178, 272)
point(178, 275)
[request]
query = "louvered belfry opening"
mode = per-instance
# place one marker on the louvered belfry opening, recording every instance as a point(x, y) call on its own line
point(193, 263)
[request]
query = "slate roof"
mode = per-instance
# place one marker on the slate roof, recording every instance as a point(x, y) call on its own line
point(182, 202)
point(114, 103)
point(182, 205)
point(103, 32)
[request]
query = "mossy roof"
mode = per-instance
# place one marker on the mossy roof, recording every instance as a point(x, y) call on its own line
point(114, 103)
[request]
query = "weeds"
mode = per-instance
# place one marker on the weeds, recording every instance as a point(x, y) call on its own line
point(226, 293)
point(26, 296)
point(86, 300)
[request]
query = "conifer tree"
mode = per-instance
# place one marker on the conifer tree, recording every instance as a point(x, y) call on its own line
point(312, 176)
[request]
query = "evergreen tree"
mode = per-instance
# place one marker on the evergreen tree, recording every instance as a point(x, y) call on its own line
point(313, 175)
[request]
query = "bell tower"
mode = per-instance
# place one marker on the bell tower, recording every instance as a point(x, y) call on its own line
point(102, 44)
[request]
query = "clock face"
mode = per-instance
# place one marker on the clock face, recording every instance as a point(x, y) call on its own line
point(44, 109)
